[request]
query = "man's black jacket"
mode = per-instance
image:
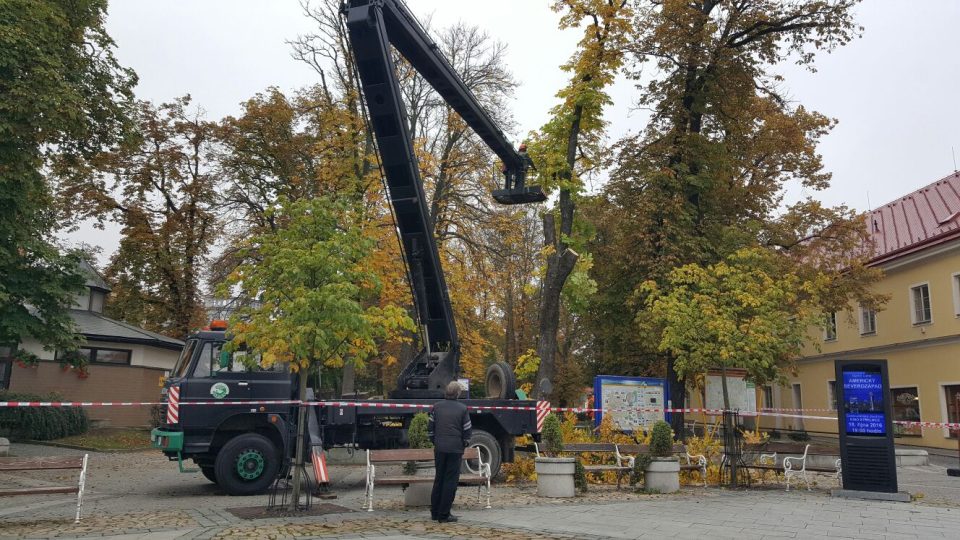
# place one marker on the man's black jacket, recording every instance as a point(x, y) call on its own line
point(450, 427)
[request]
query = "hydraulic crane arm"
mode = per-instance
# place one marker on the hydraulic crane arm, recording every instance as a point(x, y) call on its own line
point(373, 26)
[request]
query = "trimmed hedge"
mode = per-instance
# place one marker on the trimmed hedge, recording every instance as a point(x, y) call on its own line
point(40, 423)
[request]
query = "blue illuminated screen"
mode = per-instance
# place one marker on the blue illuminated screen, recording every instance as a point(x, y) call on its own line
point(863, 403)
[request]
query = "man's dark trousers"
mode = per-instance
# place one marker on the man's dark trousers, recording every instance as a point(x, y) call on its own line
point(445, 483)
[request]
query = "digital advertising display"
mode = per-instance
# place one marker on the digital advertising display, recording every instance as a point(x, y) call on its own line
point(863, 403)
point(865, 425)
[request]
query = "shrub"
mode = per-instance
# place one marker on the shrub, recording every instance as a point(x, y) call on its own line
point(799, 436)
point(552, 435)
point(40, 423)
point(418, 435)
point(661, 440)
point(580, 476)
point(158, 415)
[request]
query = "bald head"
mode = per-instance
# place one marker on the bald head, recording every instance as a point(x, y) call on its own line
point(453, 390)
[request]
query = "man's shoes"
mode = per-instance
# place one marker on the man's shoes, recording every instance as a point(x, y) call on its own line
point(449, 519)
point(434, 517)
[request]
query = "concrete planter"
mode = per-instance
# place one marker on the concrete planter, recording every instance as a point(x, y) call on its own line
point(419, 494)
point(555, 477)
point(662, 475)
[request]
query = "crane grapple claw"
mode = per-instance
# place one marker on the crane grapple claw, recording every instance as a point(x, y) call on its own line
point(524, 195)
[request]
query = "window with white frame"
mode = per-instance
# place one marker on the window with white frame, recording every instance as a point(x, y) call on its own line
point(955, 278)
point(868, 321)
point(920, 304)
point(830, 327)
point(832, 395)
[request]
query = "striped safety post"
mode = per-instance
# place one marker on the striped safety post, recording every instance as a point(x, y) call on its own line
point(543, 409)
point(173, 405)
point(319, 465)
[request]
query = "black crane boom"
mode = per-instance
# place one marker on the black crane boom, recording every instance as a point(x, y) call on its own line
point(373, 26)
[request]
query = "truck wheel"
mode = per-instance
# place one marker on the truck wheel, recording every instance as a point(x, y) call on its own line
point(209, 473)
point(247, 464)
point(500, 381)
point(489, 453)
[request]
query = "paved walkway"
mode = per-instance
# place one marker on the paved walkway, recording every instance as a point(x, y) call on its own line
point(741, 515)
point(142, 496)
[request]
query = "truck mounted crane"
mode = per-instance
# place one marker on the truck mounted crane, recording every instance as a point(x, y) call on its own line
point(244, 447)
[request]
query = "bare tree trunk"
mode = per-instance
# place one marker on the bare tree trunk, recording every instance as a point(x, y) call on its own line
point(301, 434)
point(723, 384)
point(349, 382)
point(510, 335)
point(560, 264)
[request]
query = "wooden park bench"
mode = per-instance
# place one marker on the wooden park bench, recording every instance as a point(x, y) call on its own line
point(793, 460)
point(625, 461)
point(12, 464)
point(480, 479)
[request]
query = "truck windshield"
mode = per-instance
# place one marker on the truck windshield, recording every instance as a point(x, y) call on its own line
point(180, 369)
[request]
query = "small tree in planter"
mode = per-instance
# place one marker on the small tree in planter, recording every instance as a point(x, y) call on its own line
point(555, 474)
point(662, 472)
point(418, 436)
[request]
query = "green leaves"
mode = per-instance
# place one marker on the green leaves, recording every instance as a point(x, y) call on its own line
point(311, 297)
point(61, 92)
point(748, 311)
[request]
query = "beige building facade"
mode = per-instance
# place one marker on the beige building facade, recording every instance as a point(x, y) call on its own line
point(917, 245)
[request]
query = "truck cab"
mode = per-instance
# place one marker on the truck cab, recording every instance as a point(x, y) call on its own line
point(212, 417)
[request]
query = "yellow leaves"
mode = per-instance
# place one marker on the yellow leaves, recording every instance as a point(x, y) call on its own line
point(740, 312)
point(527, 366)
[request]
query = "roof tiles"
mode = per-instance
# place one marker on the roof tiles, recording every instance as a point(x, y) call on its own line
point(926, 215)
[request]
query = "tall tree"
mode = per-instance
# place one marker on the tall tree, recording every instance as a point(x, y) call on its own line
point(569, 147)
point(159, 186)
point(314, 292)
point(62, 93)
point(707, 175)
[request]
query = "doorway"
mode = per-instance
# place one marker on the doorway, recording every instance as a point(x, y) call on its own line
point(798, 404)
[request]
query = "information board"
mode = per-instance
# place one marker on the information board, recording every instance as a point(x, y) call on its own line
point(742, 393)
point(628, 399)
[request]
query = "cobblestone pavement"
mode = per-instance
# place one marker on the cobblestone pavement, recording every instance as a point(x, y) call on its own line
point(140, 495)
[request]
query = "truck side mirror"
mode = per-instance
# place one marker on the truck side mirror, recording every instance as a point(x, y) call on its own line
point(224, 359)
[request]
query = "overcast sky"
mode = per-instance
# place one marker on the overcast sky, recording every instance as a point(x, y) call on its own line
point(894, 91)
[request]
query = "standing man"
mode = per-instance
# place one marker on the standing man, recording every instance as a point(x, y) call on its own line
point(526, 163)
point(450, 431)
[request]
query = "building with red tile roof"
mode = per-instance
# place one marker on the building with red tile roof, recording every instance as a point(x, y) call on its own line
point(916, 242)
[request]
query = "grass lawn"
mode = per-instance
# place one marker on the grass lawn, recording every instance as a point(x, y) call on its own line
point(110, 439)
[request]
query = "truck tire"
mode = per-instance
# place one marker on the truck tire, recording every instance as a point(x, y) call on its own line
point(209, 473)
point(500, 381)
point(247, 464)
point(489, 452)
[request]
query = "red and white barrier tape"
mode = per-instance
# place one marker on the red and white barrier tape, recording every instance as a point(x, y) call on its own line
point(542, 408)
point(764, 410)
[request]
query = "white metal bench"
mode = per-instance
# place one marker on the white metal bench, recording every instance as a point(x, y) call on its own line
point(12, 464)
point(479, 478)
point(794, 465)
